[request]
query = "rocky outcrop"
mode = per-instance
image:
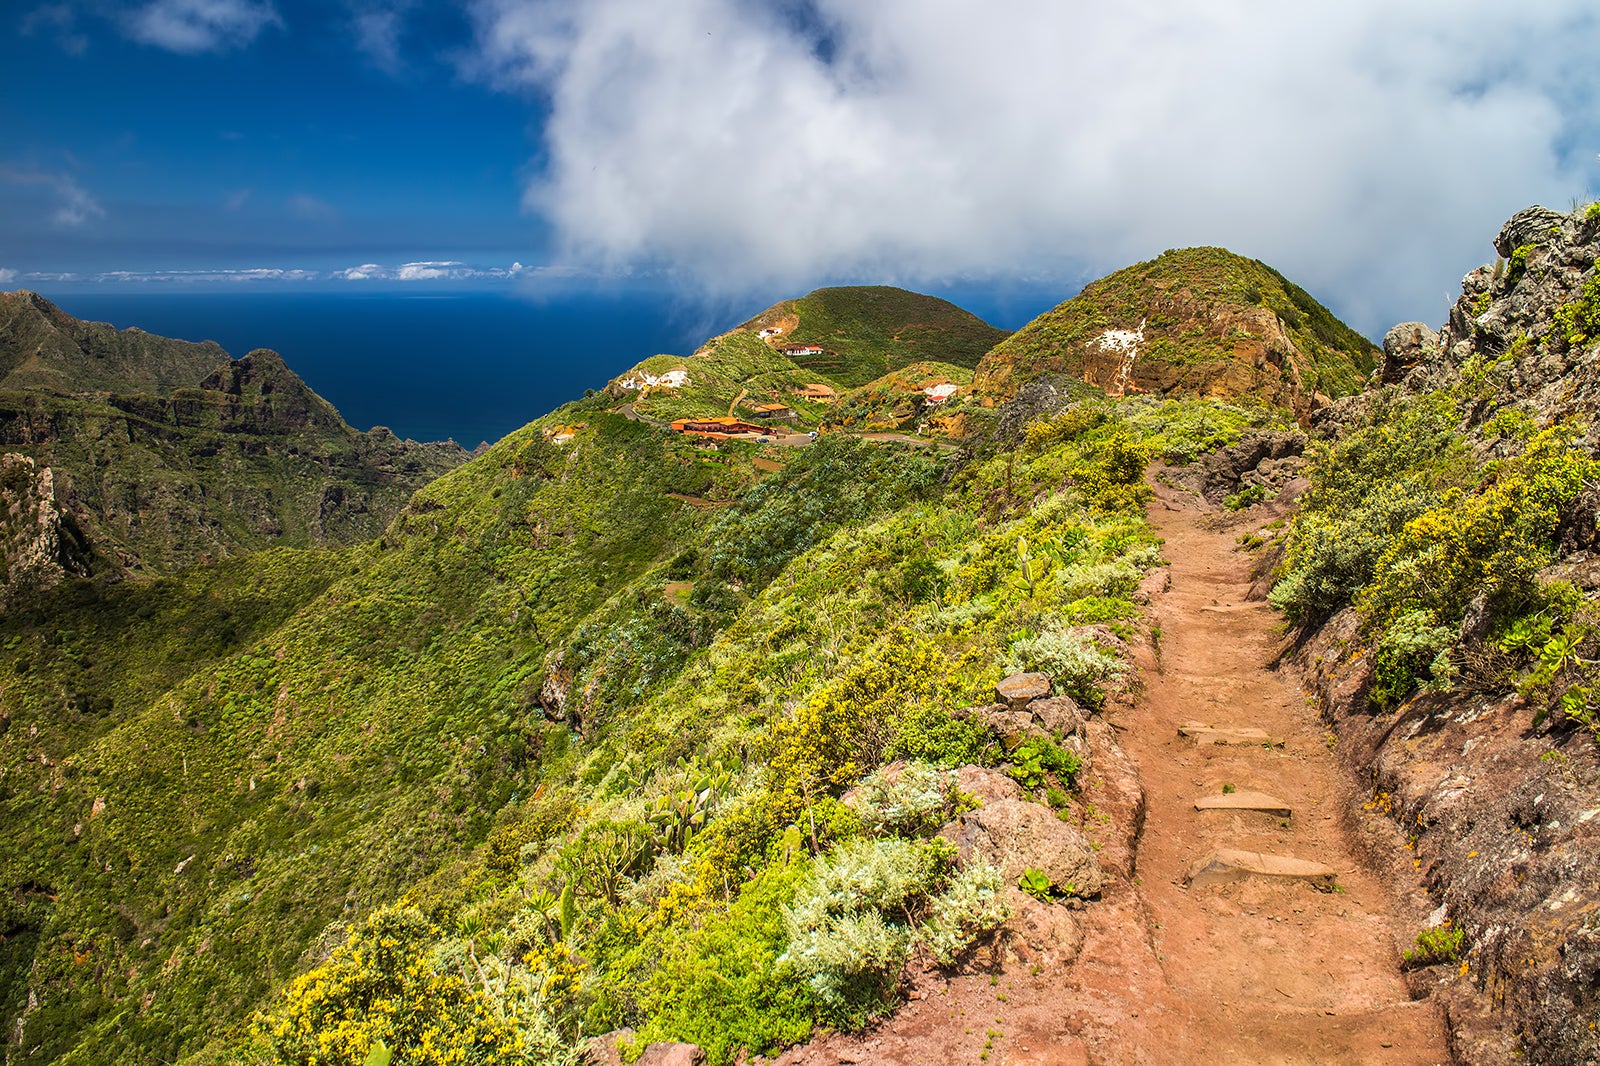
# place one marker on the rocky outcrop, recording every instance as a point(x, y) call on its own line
point(1499, 803)
point(1016, 835)
point(1267, 459)
point(41, 543)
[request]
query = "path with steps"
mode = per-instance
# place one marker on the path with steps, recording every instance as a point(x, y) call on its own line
point(1251, 934)
point(1270, 942)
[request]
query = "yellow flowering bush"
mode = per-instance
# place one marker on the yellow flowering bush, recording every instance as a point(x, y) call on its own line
point(381, 985)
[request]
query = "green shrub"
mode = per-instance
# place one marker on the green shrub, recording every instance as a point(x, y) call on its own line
point(970, 908)
point(1245, 497)
point(1363, 491)
point(720, 984)
point(916, 803)
point(1579, 319)
point(850, 927)
point(1072, 658)
point(1413, 648)
point(1036, 760)
point(1442, 943)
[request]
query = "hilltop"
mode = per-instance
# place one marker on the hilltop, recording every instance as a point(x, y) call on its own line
point(164, 453)
point(865, 331)
point(1194, 322)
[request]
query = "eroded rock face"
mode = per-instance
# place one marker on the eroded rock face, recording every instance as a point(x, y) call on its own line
point(1016, 835)
point(1404, 347)
point(1270, 459)
point(40, 541)
point(1504, 811)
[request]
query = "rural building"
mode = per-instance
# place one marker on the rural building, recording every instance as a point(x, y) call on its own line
point(817, 393)
point(773, 410)
point(771, 331)
point(940, 393)
point(715, 427)
point(800, 349)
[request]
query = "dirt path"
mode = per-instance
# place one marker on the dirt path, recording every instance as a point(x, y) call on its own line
point(1256, 971)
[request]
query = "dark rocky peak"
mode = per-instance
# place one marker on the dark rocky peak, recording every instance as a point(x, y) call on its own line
point(1525, 331)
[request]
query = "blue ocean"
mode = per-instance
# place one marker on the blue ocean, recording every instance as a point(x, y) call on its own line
point(470, 366)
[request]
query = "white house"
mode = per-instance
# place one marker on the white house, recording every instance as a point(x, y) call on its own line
point(771, 331)
point(940, 393)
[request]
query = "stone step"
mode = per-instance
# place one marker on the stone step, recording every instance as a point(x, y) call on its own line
point(1245, 801)
point(1203, 734)
point(1232, 864)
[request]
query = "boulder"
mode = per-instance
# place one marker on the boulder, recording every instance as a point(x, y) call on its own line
point(1019, 690)
point(1041, 932)
point(989, 786)
point(1013, 728)
point(606, 1050)
point(1404, 347)
point(1061, 715)
point(672, 1055)
point(1017, 835)
point(1531, 225)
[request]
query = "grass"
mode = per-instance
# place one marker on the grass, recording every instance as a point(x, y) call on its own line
point(869, 330)
point(1193, 307)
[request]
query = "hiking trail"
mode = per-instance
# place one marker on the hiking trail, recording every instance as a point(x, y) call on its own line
point(1236, 967)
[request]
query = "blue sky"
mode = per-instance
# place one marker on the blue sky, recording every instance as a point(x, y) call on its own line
point(1368, 150)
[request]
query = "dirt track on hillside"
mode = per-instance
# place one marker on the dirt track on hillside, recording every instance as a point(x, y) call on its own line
point(1250, 972)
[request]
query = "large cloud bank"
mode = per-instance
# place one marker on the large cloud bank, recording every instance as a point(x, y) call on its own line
point(1368, 149)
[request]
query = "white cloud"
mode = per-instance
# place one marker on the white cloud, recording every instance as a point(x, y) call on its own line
point(59, 20)
point(1368, 150)
point(69, 206)
point(379, 27)
point(7, 275)
point(192, 26)
point(425, 271)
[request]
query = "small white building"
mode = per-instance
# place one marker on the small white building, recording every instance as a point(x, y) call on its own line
point(771, 331)
point(940, 393)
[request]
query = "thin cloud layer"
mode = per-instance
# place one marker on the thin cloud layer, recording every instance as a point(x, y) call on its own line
point(69, 206)
point(1368, 150)
point(191, 26)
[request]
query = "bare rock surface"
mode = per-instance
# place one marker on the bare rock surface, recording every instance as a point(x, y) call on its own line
point(1017, 835)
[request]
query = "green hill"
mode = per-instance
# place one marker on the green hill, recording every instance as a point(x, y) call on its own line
point(866, 331)
point(1194, 322)
point(167, 453)
point(214, 778)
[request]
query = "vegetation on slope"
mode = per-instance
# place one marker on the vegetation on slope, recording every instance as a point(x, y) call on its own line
point(735, 371)
point(897, 401)
point(1195, 321)
point(293, 740)
point(169, 454)
point(866, 331)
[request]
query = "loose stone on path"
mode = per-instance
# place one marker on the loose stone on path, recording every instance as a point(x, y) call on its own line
point(1202, 734)
point(1245, 801)
point(1232, 864)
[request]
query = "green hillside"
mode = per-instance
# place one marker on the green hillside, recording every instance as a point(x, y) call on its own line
point(1196, 322)
point(168, 454)
point(868, 330)
point(460, 714)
